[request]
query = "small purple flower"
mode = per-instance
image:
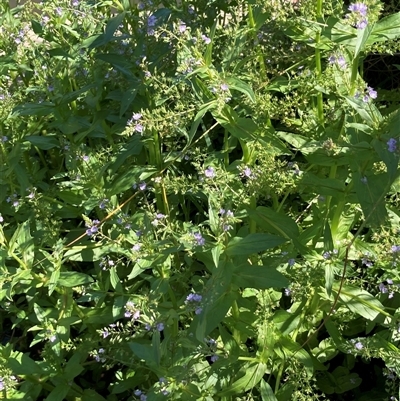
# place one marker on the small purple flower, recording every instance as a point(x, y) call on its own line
point(392, 145)
point(93, 229)
point(103, 203)
point(151, 21)
point(1, 218)
point(147, 326)
point(362, 24)
point(182, 27)
point(105, 333)
point(209, 172)
point(214, 358)
point(364, 180)
point(142, 186)
point(143, 397)
point(2, 385)
point(137, 393)
point(359, 8)
point(224, 87)
point(75, 3)
point(160, 326)
point(193, 297)
point(326, 255)
point(332, 59)
point(366, 262)
point(198, 310)
point(58, 11)
point(291, 262)
point(395, 248)
point(382, 288)
point(206, 39)
point(138, 128)
point(3, 139)
point(226, 227)
point(199, 239)
point(372, 93)
point(247, 172)
point(358, 345)
point(136, 247)
point(85, 158)
point(341, 61)
point(160, 216)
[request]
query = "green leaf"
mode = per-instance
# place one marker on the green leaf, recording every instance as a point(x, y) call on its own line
point(259, 277)
point(361, 302)
point(267, 394)
point(23, 365)
point(241, 86)
point(114, 279)
point(91, 395)
point(144, 351)
point(362, 38)
point(277, 223)
point(367, 111)
point(108, 35)
point(371, 194)
point(385, 29)
point(209, 47)
point(73, 279)
point(329, 277)
point(253, 373)
point(34, 109)
point(252, 243)
point(59, 392)
point(43, 142)
point(292, 349)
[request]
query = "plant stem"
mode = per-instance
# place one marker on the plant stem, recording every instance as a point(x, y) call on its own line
point(318, 66)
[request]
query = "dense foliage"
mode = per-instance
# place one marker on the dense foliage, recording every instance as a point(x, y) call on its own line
point(200, 201)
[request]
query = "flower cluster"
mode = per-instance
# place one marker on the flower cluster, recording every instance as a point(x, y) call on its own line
point(99, 355)
point(193, 300)
point(392, 145)
point(135, 122)
point(139, 393)
point(106, 263)
point(226, 218)
point(387, 288)
point(209, 172)
point(199, 240)
point(131, 311)
point(358, 15)
point(339, 60)
point(92, 228)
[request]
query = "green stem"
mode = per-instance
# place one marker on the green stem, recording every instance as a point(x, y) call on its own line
point(279, 375)
point(318, 66)
point(226, 148)
point(252, 223)
point(236, 315)
point(354, 73)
